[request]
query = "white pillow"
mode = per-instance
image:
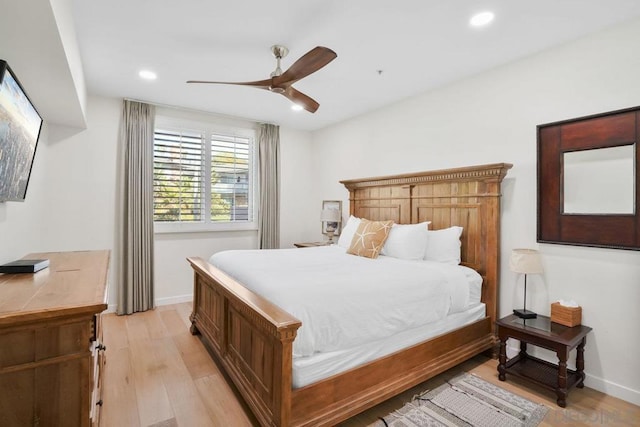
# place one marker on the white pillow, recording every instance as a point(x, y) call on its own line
point(349, 230)
point(444, 245)
point(407, 241)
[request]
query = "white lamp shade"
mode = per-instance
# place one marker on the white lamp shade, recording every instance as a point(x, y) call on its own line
point(525, 261)
point(330, 215)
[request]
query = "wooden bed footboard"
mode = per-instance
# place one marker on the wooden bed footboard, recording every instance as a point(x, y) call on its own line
point(251, 337)
point(337, 398)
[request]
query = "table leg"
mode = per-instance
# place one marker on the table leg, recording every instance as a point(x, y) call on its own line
point(502, 359)
point(523, 350)
point(580, 362)
point(561, 391)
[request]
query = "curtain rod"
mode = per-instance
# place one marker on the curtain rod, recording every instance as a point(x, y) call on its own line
point(195, 110)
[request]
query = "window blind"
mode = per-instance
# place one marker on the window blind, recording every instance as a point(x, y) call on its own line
point(230, 178)
point(178, 176)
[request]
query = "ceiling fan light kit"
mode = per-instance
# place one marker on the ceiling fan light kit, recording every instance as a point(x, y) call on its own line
point(281, 82)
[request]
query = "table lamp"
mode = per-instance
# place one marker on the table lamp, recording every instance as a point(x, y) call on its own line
point(525, 261)
point(332, 218)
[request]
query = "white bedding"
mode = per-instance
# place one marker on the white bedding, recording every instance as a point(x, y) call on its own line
point(344, 300)
point(308, 370)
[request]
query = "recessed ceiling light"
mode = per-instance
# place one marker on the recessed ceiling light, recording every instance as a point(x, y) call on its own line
point(481, 19)
point(296, 107)
point(147, 75)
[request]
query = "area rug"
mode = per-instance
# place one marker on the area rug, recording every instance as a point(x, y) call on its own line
point(467, 401)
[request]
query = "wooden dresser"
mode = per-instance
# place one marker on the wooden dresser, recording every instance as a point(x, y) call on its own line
point(51, 351)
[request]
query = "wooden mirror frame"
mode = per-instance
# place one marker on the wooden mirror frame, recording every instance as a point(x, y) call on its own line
point(612, 129)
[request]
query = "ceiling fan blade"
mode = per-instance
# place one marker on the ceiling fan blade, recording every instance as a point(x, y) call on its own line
point(301, 99)
point(262, 84)
point(309, 63)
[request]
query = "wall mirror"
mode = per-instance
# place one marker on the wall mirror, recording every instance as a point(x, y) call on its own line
point(599, 181)
point(588, 181)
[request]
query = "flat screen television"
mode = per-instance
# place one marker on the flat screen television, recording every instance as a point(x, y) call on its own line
point(20, 126)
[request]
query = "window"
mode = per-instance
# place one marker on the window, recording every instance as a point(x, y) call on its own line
point(203, 178)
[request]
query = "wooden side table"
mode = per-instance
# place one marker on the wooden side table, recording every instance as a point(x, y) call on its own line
point(553, 336)
point(311, 244)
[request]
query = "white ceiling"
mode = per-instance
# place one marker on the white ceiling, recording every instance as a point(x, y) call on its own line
point(418, 45)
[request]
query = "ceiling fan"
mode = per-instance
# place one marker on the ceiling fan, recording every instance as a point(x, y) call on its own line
point(282, 83)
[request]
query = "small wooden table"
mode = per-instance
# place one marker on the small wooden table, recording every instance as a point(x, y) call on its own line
point(312, 244)
point(553, 336)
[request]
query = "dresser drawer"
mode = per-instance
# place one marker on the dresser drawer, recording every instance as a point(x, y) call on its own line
point(40, 343)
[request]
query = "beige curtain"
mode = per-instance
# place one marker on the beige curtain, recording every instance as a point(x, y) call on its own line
point(135, 278)
point(269, 158)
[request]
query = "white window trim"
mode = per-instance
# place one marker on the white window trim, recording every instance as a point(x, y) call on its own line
point(183, 124)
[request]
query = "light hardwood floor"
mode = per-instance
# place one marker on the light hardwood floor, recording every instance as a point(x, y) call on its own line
point(158, 374)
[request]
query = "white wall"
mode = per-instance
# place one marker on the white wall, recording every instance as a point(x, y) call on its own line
point(491, 118)
point(62, 10)
point(299, 213)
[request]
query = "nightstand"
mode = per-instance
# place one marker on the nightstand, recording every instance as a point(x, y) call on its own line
point(553, 336)
point(311, 244)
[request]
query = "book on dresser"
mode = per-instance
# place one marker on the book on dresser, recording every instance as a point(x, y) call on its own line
point(51, 352)
point(24, 266)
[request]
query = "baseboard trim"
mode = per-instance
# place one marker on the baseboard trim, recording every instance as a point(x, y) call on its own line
point(613, 389)
point(111, 308)
point(605, 386)
point(174, 300)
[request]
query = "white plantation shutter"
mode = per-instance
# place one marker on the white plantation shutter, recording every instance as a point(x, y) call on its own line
point(178, 176)
point(230, 178)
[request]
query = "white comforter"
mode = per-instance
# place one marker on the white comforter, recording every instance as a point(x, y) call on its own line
point(345, 300)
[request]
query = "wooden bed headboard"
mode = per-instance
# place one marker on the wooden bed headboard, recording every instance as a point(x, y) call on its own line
point(468, 197)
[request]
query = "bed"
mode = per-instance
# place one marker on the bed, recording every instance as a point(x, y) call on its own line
point(252, 338)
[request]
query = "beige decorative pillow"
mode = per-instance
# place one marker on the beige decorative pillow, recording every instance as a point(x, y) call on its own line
point(370, 238)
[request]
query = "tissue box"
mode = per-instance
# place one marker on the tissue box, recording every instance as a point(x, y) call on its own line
point(567, 316)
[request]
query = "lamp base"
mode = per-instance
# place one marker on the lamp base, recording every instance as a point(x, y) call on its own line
point(524, 313)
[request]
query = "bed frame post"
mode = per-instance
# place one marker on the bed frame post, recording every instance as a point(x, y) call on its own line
point(250, 337)
point(492, 263)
